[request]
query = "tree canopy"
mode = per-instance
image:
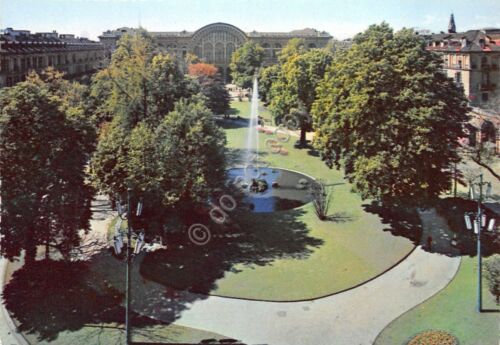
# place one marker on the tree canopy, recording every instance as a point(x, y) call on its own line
point(140, 84)
point(211, 86)
point(389, 115)
point(294, 88)
point(174, 166)
point(245, 62)
point(44, 145)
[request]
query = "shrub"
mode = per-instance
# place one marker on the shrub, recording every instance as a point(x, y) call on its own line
point(433, 338)
point(492, 265)
point(321, 199)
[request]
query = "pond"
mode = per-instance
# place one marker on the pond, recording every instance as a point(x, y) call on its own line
point(285, 189)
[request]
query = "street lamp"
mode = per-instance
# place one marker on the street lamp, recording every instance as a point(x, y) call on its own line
point(118, 244)
point(479, 222)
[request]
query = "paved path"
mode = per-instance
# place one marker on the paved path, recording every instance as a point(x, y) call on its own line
point(354, 317)
point(8, 333)
point(101, 216)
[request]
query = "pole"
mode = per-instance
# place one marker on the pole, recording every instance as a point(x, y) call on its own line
point(127, 274)
point(455, 182)
point(479, 259)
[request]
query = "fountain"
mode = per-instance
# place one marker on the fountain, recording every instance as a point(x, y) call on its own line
point(252, 145)
point(267, 189)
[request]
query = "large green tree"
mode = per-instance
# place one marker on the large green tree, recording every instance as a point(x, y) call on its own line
point(389, 115)
point(267, 76)
point(211, 86)
point(44, 146)
point(174, 165)
point(245, 63)
point(140, 84)
point(294, 90)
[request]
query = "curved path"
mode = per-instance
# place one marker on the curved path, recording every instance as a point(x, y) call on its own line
point(353, 317)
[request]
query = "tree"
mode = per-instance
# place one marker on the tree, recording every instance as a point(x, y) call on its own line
point(389, 113)
point(294, 91)
point(140, 84)
point(218, 98)
point(191, 152)
point(43, 152)
point(175, 165)
point(267, 76)
point(211, 86)
point(202, 70)
point(245, 63)
point(294, 46)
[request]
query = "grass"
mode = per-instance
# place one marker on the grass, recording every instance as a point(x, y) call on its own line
point(354, 247)
point(453, 310)
point(108, 333)
point(242, 109)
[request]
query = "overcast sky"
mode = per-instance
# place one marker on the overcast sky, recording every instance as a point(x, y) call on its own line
point(342, 19)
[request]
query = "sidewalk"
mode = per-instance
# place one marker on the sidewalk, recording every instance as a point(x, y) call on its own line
point(101, 217)
point(354, 317)
point(8, 335)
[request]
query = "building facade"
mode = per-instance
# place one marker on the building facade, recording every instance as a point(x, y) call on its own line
point(215, 43)
point(472, 60)
point(22, 52)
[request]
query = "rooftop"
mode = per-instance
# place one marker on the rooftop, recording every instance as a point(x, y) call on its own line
point(482, 40)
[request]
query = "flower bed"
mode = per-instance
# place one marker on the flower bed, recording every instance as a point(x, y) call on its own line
point(433, 338)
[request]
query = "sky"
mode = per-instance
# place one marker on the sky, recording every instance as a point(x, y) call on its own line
point(341, 18)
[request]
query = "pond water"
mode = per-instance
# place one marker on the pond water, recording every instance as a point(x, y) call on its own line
point(285, 189)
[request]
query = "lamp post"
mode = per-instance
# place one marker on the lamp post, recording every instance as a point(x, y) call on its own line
point(127, 274)
point(128, 253)
point(479, 222)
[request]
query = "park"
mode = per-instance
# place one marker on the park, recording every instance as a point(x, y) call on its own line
point(307, 209)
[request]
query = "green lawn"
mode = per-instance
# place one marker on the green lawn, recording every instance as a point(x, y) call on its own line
point(354, 248)
point(453, 310)
point(243, 110)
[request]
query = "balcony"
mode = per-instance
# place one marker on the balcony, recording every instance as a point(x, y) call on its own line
point(488, 87)
point(456, 66)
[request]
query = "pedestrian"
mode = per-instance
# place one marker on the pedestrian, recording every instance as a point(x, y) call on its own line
point(429, 242)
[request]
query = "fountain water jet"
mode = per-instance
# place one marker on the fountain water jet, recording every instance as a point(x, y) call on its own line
point(252, 145)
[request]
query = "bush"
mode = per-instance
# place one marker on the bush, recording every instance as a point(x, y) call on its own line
point(433, 338)
point(321, 199)
point(492, 265)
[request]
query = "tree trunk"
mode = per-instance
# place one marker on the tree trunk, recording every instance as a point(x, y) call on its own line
point(487, 167)
point(30, 253)
point(47, 250)
point(303, 142)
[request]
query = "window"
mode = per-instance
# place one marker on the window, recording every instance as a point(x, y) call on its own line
point(484, 97)
point(484, 62)
point(5, 65)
